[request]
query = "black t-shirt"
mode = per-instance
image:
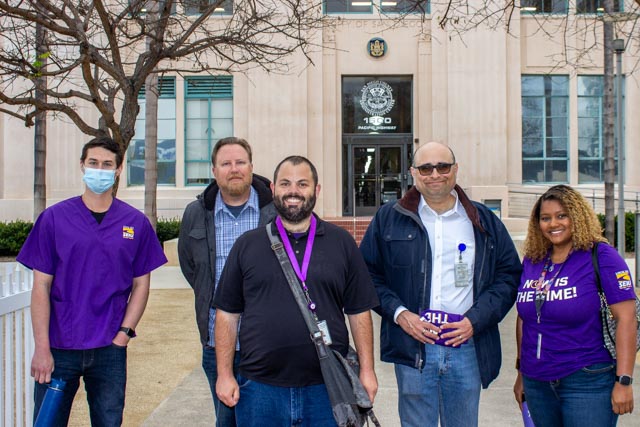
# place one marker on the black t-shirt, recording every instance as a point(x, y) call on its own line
point(275, 344)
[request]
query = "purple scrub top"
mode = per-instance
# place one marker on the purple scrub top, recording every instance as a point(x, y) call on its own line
point(570, 330)
point(93, 266)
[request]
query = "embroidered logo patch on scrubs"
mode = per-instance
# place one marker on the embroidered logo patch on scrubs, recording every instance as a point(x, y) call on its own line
point(127, 232)
point(624, 279)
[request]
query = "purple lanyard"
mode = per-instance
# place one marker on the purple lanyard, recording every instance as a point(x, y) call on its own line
point(302, 274)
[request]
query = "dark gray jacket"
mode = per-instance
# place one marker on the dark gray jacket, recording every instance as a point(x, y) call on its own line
point(197, 245)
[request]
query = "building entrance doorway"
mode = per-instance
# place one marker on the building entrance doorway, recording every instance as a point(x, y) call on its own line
point(377, 172)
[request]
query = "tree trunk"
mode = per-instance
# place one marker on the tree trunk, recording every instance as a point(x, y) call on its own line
point(151, 148)
point(40, 134)
point(151, 126)
point(608, 126)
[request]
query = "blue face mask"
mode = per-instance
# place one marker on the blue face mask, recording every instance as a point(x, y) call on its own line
point(99, 180)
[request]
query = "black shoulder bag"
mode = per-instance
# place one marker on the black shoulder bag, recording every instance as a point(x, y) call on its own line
point(349, 400)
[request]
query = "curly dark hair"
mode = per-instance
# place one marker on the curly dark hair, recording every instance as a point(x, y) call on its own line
point(585, 227)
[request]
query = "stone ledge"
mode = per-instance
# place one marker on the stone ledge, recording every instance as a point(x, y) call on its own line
point(171, 252)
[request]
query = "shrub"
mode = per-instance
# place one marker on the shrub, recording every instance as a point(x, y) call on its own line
point(14, 233)
point(12, 236)
point(167, 228)
point(629, 230)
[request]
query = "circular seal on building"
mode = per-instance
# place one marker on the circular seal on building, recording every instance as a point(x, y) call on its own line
point(377, 47)
point(377, 98)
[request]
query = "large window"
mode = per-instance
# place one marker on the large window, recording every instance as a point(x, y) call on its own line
point(385, 6)
point(348, 6)
point(404, 6)
point(166, 137)
point(377, 104)
point(196, 7)
point(544, 6)
point(208, 117)
point(590, 129)
point(595, 6)
point(545, 129)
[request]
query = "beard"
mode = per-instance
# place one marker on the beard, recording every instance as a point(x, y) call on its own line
point(294, 214)
point(235, 188)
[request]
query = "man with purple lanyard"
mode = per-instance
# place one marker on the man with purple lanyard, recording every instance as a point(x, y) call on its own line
point(280, 379)
point(92, 258)
point(446, 272)
point(236, 201)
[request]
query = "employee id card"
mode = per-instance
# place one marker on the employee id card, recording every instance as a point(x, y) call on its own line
point(461, 268)
point(324, 328)
point(462, 274)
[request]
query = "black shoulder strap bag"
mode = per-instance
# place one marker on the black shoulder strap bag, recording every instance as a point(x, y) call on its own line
point(349, 400)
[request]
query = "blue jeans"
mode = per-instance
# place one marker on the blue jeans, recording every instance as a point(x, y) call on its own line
point(263, 404)
point(104, 371)
point(580, 399)
point(225, 416)
point(448, 388)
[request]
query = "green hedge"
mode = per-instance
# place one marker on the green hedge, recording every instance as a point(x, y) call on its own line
point(12, 236)
point(14, 233)
point(629, 230)
point(167, 228)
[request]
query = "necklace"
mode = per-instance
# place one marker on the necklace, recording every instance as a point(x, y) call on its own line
point(560, 262)
point(556, 264)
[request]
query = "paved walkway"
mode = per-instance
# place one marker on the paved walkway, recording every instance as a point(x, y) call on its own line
point(190, 403)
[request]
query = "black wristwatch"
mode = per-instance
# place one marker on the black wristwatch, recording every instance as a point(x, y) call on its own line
point(131, 333)
point(624, 379)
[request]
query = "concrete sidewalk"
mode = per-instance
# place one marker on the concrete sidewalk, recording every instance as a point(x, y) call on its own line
point(190, 403)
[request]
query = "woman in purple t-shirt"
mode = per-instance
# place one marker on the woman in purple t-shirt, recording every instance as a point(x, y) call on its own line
point(564, 370)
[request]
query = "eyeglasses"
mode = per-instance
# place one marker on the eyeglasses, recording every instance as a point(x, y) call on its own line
point(427, 168)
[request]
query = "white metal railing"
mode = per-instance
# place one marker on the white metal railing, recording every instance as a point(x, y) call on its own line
point(16, 346)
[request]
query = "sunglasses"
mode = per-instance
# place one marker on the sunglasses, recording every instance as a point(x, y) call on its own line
point(427, 168)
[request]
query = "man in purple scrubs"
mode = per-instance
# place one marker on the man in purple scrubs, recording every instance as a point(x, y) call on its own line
point(91, 257)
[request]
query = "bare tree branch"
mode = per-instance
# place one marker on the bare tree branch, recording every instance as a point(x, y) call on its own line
point(98, 55)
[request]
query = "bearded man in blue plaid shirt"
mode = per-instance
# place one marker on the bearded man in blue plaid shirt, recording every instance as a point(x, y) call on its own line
point(235, 202)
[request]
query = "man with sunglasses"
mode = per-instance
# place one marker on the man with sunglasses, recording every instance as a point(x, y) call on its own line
point(446, 272)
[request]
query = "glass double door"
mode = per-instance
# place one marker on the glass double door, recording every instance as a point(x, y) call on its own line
point(377, 174)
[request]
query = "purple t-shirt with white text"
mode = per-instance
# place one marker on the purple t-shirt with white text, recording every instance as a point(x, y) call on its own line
point(570, 329)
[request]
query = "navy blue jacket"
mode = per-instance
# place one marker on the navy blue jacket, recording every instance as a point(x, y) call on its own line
point(397, 252)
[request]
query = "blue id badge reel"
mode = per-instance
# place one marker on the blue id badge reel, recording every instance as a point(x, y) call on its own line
point(461, 268)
